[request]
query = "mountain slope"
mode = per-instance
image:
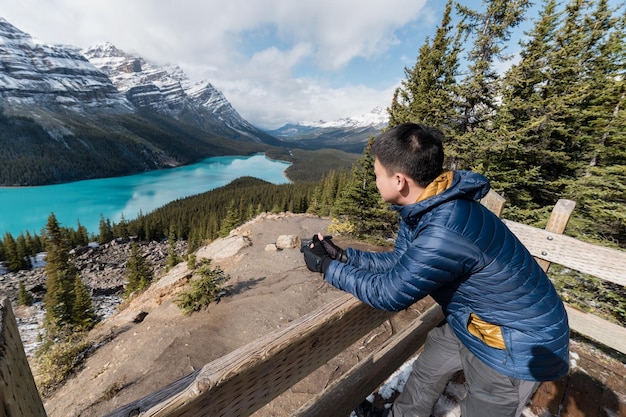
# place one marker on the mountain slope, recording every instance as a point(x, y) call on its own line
point(168, 91)
point(51, 76)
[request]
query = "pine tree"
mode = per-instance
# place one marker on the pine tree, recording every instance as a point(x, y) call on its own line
point(491, 30)
point(172, 256)
point(23, 253)
point(59, 285)
point(138, 272)
point(31, 244)
point(11, 253)
point(24, 298)
point(105, 230)
point(360, 210)
point(427, 94)
point(82, 237)
point(121, 229)
point(83, 314)
point(599, 185)
point(232, 219)
point(480, 90)
point(35, 243)
point(525, 119)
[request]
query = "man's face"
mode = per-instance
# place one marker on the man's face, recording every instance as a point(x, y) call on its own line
point(386, 183)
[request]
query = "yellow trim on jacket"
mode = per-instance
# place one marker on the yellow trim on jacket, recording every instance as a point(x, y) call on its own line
point(489, 333)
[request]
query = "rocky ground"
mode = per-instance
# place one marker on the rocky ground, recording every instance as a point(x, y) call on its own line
point(103, 270)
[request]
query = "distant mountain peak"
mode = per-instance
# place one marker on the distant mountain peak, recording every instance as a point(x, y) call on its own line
point(104, 49)
point(377, 117)
point(350, 133)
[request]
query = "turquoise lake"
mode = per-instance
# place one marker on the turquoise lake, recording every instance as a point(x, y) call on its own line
point(27, 208)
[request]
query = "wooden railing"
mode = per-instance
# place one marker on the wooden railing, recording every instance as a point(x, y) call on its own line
point(245, 380)
point(18, 393)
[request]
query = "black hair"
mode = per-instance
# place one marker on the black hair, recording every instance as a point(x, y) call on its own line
point(412, 149)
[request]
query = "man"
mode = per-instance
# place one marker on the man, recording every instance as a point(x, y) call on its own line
point(506, 327)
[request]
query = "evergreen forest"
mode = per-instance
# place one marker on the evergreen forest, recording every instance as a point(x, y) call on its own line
point(552, 126)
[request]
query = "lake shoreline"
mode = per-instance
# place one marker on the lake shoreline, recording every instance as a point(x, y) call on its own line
point(152, 170)
point(87, 201)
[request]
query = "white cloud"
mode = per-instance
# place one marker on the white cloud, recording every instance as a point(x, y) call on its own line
point(302, 99)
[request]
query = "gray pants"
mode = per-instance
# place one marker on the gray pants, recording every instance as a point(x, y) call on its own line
point(490, 393)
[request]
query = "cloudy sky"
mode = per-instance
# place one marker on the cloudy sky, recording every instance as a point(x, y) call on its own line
point(276, 61)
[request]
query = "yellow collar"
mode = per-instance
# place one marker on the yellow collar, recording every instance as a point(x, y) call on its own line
point(438, 185)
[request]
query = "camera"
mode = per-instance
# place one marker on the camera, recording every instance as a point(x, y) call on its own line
point(305, 243)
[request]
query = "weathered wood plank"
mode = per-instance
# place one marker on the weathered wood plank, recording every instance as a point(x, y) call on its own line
point(550, 246)
point(341, 397)
point(494, 202)
point(18, 393)
point(600, 330)
point(605, 263)
point(243, 381)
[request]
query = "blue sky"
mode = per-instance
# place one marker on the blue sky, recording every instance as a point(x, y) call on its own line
point(276, 61)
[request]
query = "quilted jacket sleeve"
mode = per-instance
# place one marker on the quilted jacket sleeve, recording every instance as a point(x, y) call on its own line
point(393, 281)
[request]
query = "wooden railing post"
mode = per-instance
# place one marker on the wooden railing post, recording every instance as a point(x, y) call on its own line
point(18, 393)
point(557, 223)
point(494, 202)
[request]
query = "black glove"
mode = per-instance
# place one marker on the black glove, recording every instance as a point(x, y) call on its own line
point(333, 250)
point(316, 258)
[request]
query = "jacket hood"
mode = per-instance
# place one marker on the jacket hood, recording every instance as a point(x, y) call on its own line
point(465, 185)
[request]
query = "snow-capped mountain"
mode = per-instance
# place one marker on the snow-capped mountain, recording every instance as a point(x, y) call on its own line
point(349, 134)
point(168, 91)
point(377, 118)
point(38, 76)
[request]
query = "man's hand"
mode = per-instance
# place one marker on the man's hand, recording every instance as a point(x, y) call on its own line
point(315, 257)
point(333, 250)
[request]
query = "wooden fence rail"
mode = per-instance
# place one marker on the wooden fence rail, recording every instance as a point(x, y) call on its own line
point(245, 380)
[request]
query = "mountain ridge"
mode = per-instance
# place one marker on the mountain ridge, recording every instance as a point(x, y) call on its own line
point(168, 91)
point(349, 134)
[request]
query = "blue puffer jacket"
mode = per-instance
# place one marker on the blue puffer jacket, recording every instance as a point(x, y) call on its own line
point(451, 247)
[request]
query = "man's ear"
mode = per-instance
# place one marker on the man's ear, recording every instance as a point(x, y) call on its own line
point(400, 181)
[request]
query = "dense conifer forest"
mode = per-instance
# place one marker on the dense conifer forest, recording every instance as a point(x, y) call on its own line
point(132, 144)
point(552, 126)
